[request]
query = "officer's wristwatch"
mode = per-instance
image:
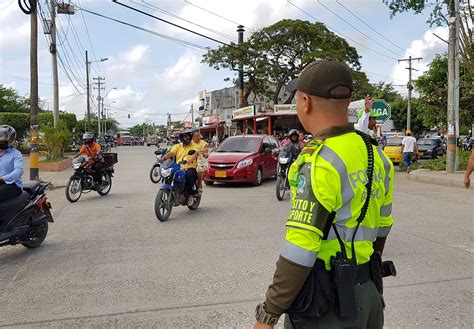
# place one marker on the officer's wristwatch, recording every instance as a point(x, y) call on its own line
point(262, 316)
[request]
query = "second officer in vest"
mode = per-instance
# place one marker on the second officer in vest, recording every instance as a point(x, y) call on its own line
point(328, 274)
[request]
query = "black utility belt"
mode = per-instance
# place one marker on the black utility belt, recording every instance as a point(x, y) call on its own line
point(325, 290)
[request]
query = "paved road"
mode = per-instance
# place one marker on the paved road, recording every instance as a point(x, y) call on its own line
point(108, 262)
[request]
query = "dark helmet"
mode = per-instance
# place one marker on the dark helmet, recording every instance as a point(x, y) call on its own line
point(184, 132)
point(7, 133)
point(88, 137)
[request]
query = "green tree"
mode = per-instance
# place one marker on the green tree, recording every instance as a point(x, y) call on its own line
point(10, 101)
point(56, 139)
point(433, 89)
point(399, 115)
point(278, 53)
point(80, 127)
point(138, 130)
point(439, 16)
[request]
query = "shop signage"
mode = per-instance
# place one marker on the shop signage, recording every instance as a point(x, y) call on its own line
point(211, 120)
point(244, 112)
point(379, 106)
point(284, 109)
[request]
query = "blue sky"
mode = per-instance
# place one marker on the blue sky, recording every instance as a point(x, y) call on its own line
point(154, 75)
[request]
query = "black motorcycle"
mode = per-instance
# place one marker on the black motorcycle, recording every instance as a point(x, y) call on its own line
point(285, 159)
point(24, 219)
point(155, 173)
point(83, 179)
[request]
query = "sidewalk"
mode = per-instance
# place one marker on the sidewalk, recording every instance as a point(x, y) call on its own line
point(439, 178)
point(58, 179)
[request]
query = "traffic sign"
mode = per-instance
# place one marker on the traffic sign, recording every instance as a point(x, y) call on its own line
point(382, 108)
point(228, 123)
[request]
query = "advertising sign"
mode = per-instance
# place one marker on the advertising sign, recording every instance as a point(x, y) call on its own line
point(284, 109)
point(211, 120)
point(379, 106)
point(244, 112)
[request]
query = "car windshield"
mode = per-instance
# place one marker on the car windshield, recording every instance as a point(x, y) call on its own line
point(425, 141)
point(240, 145)
point(394, 142)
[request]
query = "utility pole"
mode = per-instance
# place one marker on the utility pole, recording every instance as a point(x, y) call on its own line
point(240, 33)
point(54, 64)
point(192, 116)
point(88, 92)
point(409, 86)
point(168, 125)
point(99, 101)
point(453, 87)
point(34, 156)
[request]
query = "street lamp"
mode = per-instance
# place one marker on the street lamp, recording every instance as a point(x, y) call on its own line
point(87, 86)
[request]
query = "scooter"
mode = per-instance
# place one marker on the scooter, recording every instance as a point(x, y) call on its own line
point(171, 193)
point(24, 219)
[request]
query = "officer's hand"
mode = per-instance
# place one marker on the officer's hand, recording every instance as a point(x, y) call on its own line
point(368, 103)
point(259, 325)
point(467, 182)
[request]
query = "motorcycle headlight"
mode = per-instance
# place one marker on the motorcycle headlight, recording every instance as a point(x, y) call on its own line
point(283, 160)
point(165, 172)
point(76, 165)
point(244, 163)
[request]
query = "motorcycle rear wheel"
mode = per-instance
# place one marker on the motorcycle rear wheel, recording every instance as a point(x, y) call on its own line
point(280, 187)
point(73, 190)
point(105, 189)
point(155, 176)
point(195, 205)
point(37, 237)
point(163, 205)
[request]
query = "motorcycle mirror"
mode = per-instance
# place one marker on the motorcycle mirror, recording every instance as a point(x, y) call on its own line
point(158, 152)
point(191, 152)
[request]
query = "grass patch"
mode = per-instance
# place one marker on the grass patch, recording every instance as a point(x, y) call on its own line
point(53, 160)
point(439, 164)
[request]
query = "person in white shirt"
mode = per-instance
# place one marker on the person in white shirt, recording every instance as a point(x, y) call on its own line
point(367, 118)
point(409, 146)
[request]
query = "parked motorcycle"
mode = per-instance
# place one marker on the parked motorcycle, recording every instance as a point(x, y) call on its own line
point(82, 181)
point(24, 219)
point(171, 193)
point(282, 185)
point(155, 175)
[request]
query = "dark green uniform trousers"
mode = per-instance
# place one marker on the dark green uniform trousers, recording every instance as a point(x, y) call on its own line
point(370, 313)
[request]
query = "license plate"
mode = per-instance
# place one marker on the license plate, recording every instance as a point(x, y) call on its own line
point(221, 174)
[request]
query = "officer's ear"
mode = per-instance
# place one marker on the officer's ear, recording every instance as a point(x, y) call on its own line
point(304, 102)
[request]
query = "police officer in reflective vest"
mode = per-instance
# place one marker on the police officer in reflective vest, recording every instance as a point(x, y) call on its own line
point(329, 271)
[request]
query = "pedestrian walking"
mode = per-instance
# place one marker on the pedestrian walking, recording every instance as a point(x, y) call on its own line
point(469, 169)
point(409, 146)
point(328, 273)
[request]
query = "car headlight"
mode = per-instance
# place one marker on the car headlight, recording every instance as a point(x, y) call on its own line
point(244, 163)
point(76, 165)
point(283, 160)
point(165, 172)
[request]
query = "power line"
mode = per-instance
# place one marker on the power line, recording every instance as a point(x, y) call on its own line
point(150, 6)
point(370, 27)
point(168, 22)
point(175, 40)
point(337, 32)
point(90, 42)
point(351, 25)
point(218, 15)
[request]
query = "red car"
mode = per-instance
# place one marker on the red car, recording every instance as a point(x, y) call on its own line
point(242, 159)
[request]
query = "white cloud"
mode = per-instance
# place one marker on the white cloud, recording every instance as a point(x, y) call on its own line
point(137, 53)
point(427, 48)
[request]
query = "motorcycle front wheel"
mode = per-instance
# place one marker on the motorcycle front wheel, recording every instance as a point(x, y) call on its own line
point(163, 205)
point(155, 175)
point(73, 190)
point(280, 187)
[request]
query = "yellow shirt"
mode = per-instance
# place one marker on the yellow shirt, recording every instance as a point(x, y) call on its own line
point(180, 151)
point(202, 145)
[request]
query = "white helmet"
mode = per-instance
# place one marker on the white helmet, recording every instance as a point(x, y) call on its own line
point(7, 133)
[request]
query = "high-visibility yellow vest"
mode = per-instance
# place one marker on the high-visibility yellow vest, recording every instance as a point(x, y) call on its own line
point(330, 176)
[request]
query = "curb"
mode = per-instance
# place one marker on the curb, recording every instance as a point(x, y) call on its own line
point(446, 180)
